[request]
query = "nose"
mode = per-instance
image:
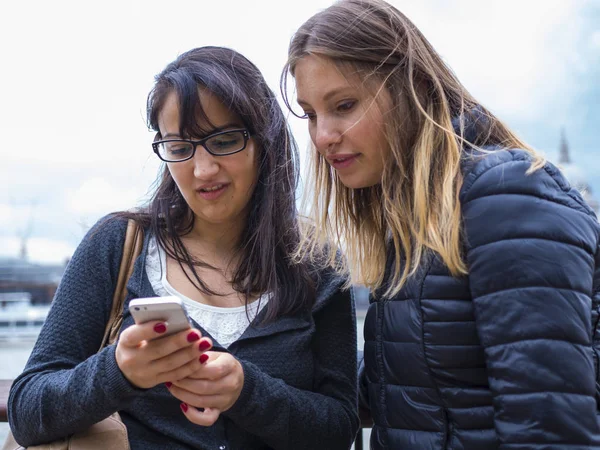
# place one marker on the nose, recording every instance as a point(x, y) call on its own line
point(205, 165)
point(325, 134)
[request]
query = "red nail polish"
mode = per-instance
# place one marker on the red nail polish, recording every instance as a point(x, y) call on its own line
point(160, 328)
point(184, 407)
point(203, 358)
point(204, 345)
point(168, 384)
point(193, 337)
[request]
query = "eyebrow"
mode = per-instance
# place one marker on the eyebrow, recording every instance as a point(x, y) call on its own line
point(327, 96)
point(213, 131)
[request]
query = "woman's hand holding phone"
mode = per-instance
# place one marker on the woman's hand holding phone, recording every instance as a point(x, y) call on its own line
point(214, 388)
point(148, 355)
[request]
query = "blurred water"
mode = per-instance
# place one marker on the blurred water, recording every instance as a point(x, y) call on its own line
point(14, 355)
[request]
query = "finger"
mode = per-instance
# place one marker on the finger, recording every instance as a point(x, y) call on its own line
point(200, 398)
point(205, 344)
point(135, 335)
point(177, 365)
point(176, 374)
point(204, 418)
point(187, 389)
point(160, 348)
point(221, 395)
point(215, 366)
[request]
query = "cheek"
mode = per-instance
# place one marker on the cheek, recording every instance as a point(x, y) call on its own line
point(176, 174)
point(243, 170)
point(173, 173)
point(374, 133)
point(252, 176)
point(312, 131)
point(252, 164)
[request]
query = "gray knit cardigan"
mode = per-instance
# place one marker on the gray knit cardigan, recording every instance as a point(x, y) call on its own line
point(300, 372)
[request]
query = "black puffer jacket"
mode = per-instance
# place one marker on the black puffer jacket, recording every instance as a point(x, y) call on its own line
point(506, 357)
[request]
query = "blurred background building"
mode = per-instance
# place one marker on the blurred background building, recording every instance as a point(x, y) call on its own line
point(575, 174)
point(39, 281)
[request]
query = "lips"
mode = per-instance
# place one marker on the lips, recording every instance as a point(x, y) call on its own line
point(341, 161)
point(212, 191)
point(216, 187)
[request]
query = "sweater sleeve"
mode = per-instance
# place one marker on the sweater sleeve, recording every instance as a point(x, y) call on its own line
point(530, 246)
point(66, 386)
point(281, 414)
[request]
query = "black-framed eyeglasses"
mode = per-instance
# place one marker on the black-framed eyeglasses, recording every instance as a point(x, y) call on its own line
point(222, 143)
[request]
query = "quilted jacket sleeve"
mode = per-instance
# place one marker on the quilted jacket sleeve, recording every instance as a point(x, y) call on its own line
point(531, 244)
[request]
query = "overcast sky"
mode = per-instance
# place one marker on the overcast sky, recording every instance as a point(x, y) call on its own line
point(74, 77)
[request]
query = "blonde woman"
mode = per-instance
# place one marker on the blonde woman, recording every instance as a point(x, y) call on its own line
point(483, 261)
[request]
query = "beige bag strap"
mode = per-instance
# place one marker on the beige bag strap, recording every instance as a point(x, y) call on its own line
point(132, 247)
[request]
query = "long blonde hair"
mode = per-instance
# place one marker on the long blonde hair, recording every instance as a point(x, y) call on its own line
point(416, 206)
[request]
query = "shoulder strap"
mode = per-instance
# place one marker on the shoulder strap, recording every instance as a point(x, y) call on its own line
point(132, 247)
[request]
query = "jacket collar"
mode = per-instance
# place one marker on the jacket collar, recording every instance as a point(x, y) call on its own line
point(474, 124)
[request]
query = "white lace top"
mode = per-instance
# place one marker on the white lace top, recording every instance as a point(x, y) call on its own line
point(226, 325)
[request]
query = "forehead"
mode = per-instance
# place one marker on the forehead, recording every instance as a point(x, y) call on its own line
point(317, 77)
point(211, 114)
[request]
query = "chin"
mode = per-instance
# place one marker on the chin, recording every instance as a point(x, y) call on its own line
point(354, 182)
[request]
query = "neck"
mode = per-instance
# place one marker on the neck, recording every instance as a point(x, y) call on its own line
point(219, 240)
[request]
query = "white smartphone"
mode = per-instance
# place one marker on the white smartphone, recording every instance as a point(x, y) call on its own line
point(167, 309)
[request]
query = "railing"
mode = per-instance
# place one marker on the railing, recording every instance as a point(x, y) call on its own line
point(5, 386)
point(365, 422)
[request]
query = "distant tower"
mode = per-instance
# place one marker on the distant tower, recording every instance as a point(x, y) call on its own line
point(564, 157)
point(23, 251)
point(574, 174)
point(24, 233)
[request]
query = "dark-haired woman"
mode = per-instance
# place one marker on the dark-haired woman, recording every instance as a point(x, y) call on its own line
point(484, 263)
point(270, 362)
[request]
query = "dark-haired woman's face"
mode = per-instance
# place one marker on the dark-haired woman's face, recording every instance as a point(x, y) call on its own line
point(216, 188)
point(345, 122)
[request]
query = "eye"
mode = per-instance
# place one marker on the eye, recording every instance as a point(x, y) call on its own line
point(346, 105)
point(179, 148)
point(224, 143)
point(309, 115)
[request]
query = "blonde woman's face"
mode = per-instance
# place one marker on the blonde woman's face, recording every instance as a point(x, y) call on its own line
point(345, 122)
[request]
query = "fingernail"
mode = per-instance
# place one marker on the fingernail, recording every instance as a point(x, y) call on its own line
point(168, 384)
point(204, 345)
point(203, 358)
point(184, 407)
point(160, 328)
point(193, 337)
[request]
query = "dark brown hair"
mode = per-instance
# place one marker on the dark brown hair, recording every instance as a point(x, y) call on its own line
point(271, 234)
